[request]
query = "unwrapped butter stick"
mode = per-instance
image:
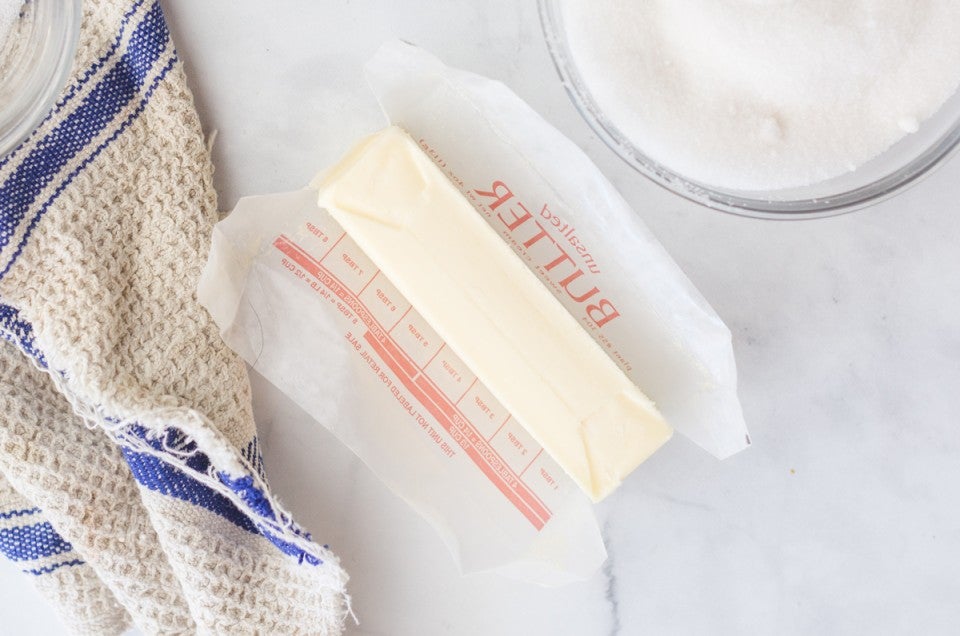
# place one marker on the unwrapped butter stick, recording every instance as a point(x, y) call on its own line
point(492, 311)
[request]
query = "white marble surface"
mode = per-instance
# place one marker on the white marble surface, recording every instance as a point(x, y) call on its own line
point(843, 518)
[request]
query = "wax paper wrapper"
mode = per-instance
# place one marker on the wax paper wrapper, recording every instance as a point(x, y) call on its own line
point(308, 310)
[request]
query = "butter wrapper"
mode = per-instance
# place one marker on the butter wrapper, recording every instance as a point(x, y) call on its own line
point(308, 310)
point(597, 256)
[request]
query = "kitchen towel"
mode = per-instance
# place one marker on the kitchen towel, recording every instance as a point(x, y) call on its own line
point(132, 488)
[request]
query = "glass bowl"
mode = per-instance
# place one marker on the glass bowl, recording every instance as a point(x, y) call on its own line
point(35, 62)
point(900, 166)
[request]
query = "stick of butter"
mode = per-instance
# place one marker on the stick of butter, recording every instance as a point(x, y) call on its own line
point(492, 311)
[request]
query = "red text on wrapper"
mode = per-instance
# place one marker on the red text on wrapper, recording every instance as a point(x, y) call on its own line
point(567, 262)
point(411, 360)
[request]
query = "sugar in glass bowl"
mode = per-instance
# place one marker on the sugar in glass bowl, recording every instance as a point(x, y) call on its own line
point(903, 164)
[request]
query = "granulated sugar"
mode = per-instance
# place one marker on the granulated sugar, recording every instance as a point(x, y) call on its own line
point(765, 94)
point(9, 14)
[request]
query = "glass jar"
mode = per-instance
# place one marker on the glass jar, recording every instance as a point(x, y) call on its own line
point(35, 62)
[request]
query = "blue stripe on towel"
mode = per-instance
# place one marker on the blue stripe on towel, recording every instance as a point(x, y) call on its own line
point(28, 543)
point(82, 81)
point(252, 454)
point(71, 136)
point(40, 168)
point(257, 501)
point(10, 514)
point(97, 151)
point(158, 475)
point(18, 331)
point(50, 568)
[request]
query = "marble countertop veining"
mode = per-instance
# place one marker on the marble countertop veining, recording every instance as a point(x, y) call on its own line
point(843, 517)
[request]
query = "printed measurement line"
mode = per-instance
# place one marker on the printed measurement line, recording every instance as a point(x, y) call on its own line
point(364, 288)
point(504, 469)
point(409, 307)
point(422, 372)
point(442, 399)
point(335, 243)
point(467, 390)
point(492, 474)
point(435, 354)
point(531, 462)
point(467, 433)
point(460, 428)
point(502, 424)
point(414, 369)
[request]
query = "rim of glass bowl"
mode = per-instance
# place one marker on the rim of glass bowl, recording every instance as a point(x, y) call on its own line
point(857, 198)
point(54, 35)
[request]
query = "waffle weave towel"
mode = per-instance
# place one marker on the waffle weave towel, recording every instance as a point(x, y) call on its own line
point(131, 485)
